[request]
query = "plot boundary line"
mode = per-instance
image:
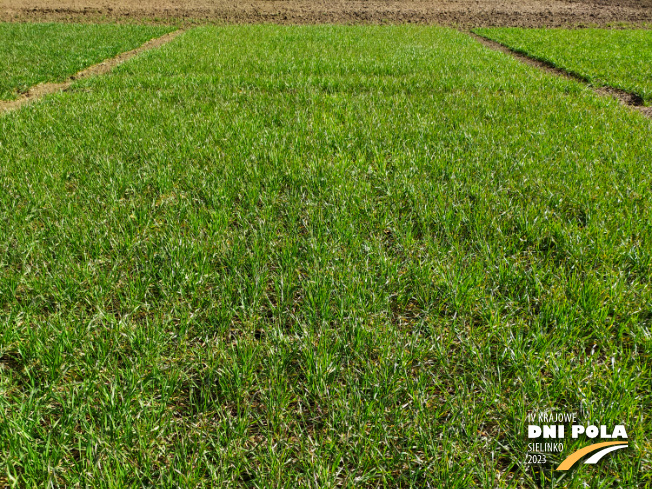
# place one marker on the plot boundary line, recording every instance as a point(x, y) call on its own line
point(37, 92)
point(627, 99)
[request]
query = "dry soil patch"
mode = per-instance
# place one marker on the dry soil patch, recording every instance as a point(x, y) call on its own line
point(466, 13)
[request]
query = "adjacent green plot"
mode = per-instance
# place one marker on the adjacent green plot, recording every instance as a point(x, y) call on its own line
point(317, 257)
point(615, 58)
point(35, 53)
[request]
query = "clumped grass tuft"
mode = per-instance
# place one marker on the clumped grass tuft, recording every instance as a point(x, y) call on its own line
point(619, 58)
point(321, 257)
point(36, 53)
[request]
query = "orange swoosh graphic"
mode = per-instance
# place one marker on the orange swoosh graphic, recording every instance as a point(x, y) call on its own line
point(575, 456)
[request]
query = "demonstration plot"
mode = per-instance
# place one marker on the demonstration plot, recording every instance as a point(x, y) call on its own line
point(320, 256)
point(615, 58)
point(36, 53)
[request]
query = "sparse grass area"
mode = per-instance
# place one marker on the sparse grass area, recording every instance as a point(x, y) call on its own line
point(36, 53)
point(604, 57)
point(321, 256)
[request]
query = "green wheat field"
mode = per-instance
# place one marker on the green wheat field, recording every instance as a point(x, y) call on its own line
point(319, 256)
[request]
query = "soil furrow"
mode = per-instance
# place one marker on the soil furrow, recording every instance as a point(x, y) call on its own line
point(626, 98)
point(42, 89)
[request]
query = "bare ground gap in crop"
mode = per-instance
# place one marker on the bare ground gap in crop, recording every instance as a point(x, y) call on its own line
point(626, 98)
point(39, 91)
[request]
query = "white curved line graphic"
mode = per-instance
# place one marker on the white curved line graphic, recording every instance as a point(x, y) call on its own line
point(597, 456)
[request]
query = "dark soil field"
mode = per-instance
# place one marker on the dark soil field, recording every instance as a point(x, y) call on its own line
point(464, 13)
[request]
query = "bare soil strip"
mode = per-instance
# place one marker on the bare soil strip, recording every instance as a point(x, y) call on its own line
point(458, 13)
point(42, 89)
point(628, 99)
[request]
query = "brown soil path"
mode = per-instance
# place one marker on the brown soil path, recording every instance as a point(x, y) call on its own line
point(625, 98)
point(42, 89)
point(462, 13)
